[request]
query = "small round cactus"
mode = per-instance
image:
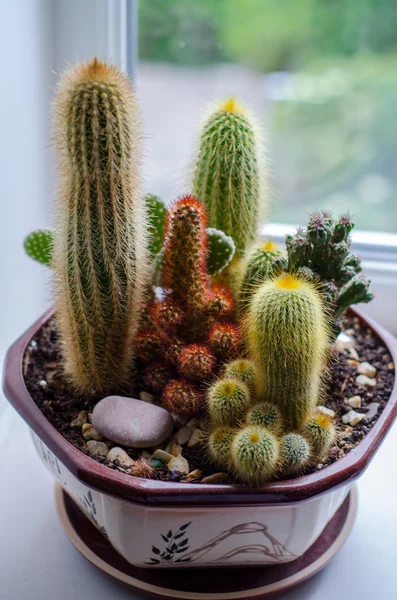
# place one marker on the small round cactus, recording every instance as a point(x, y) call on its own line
point(242, 369)
point(167, 314)
point(265, 414)
point(254, 454)
point(294, 454)
point(224, 340)
point(221, 250)
point(228, 400)
point(182, 398)
point(260, 266)
point(218, 444)
point(196, 362)
point(320, 432)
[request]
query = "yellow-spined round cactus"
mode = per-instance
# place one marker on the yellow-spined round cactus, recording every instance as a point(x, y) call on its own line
point(254, 454)
point(288, 336)
point(100, 238)
point(242, 369)
point(319, 429)
point(267, 415)
point(229, 175)
point(218, 445)
point(228, 400)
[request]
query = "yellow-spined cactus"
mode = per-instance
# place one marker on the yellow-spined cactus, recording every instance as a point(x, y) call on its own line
point(319, 430)
point(100, 238)
point(254, 455)
point(228, 400)
point(219, 443)
point(288, 336)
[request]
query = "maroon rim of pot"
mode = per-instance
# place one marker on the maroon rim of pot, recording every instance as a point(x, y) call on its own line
point(148, 491)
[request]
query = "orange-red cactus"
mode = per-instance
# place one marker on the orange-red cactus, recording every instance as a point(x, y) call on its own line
point(147, 344)
point(156, 376)
point(196, 362)
point(221, 303)
point(225, 340)
point(183, 398)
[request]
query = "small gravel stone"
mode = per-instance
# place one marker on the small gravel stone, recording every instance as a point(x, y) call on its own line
point(176, 449)
point(194, 475)
point(354, 354)
point(89, 417)
point(43, 383)
point(372, 411)
point(193, 423)
point(179, 464)
point(165, 457)
point(352, 418)
point(343, 342)
point(132, 423)
point(365, 382)
point(390, 366)
point(97, 448)
point(121, 455)
point(352, 363)
point(156, 464)
point(182, 435)
point(365, 368)
point(146, 397)
point(346, 433)
point(334, 451)
point(354, 401)
point(196, 438)
point(79, 421)
point(216, 478)
point(325, 411)
point(90, 433)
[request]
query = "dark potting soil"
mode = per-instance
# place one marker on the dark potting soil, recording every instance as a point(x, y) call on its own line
point(44, 380)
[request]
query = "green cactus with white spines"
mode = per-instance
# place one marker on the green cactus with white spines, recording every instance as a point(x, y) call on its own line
point(228, 400)
point(101, 253)
point(254, 455)
point(39, 245)
point(288, 337)
point(295, 454)
point(266, 415)
point(228, 173)
point(261, 264)
point(156, 214)
point(218, 445)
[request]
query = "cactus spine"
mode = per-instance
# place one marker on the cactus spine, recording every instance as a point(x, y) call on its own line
point(100, 243)
point(288, 338)
point(295, 453)
point(228, 400)
point(267, 415)
point(261, 265)
point(228, 177)
point(320, 432)
point(219, 444)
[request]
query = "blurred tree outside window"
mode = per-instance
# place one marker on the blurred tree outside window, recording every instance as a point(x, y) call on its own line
point(321, 76)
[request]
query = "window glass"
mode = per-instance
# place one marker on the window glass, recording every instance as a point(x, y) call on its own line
point(321, 76)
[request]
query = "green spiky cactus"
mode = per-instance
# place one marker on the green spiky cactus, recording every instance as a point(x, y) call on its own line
point(156, 212)
point(261, 265)
point(267, 415)
point(242, 369)
point(322, 252)
point(218, 444)
point(319, 430)
point(39, 245)
point(100, 255)
point(221, 250)
point(255, 454)
point(288, 339)
point(228, 400)
point(182, 398)
point(228, 176)
point(295, 454)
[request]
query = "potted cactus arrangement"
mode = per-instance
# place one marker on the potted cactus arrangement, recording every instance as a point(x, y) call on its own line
point(195, 387)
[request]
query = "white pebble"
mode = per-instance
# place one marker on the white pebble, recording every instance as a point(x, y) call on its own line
point(352, 418)
point(354, 401)
point(119, 454)
point(365, 368)
point(343, 342)
point(195, 439)
point(365, 382)
point(354, 354)
point(182, 436)
point(180, 464)
point(162, 456)
point(43, 383)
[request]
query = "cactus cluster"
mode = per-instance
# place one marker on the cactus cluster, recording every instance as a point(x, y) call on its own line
point(271, 409)
point(258, 374)
point(321, 252)
point(189, 329)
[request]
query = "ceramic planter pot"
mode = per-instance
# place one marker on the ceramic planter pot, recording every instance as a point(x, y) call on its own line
point(201, 525)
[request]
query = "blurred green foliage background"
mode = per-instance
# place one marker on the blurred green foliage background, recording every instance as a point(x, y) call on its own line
point(333, 115)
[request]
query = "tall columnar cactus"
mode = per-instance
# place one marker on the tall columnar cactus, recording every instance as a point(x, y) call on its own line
point(288, 339)
point(228, 175)
point(100, 240)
